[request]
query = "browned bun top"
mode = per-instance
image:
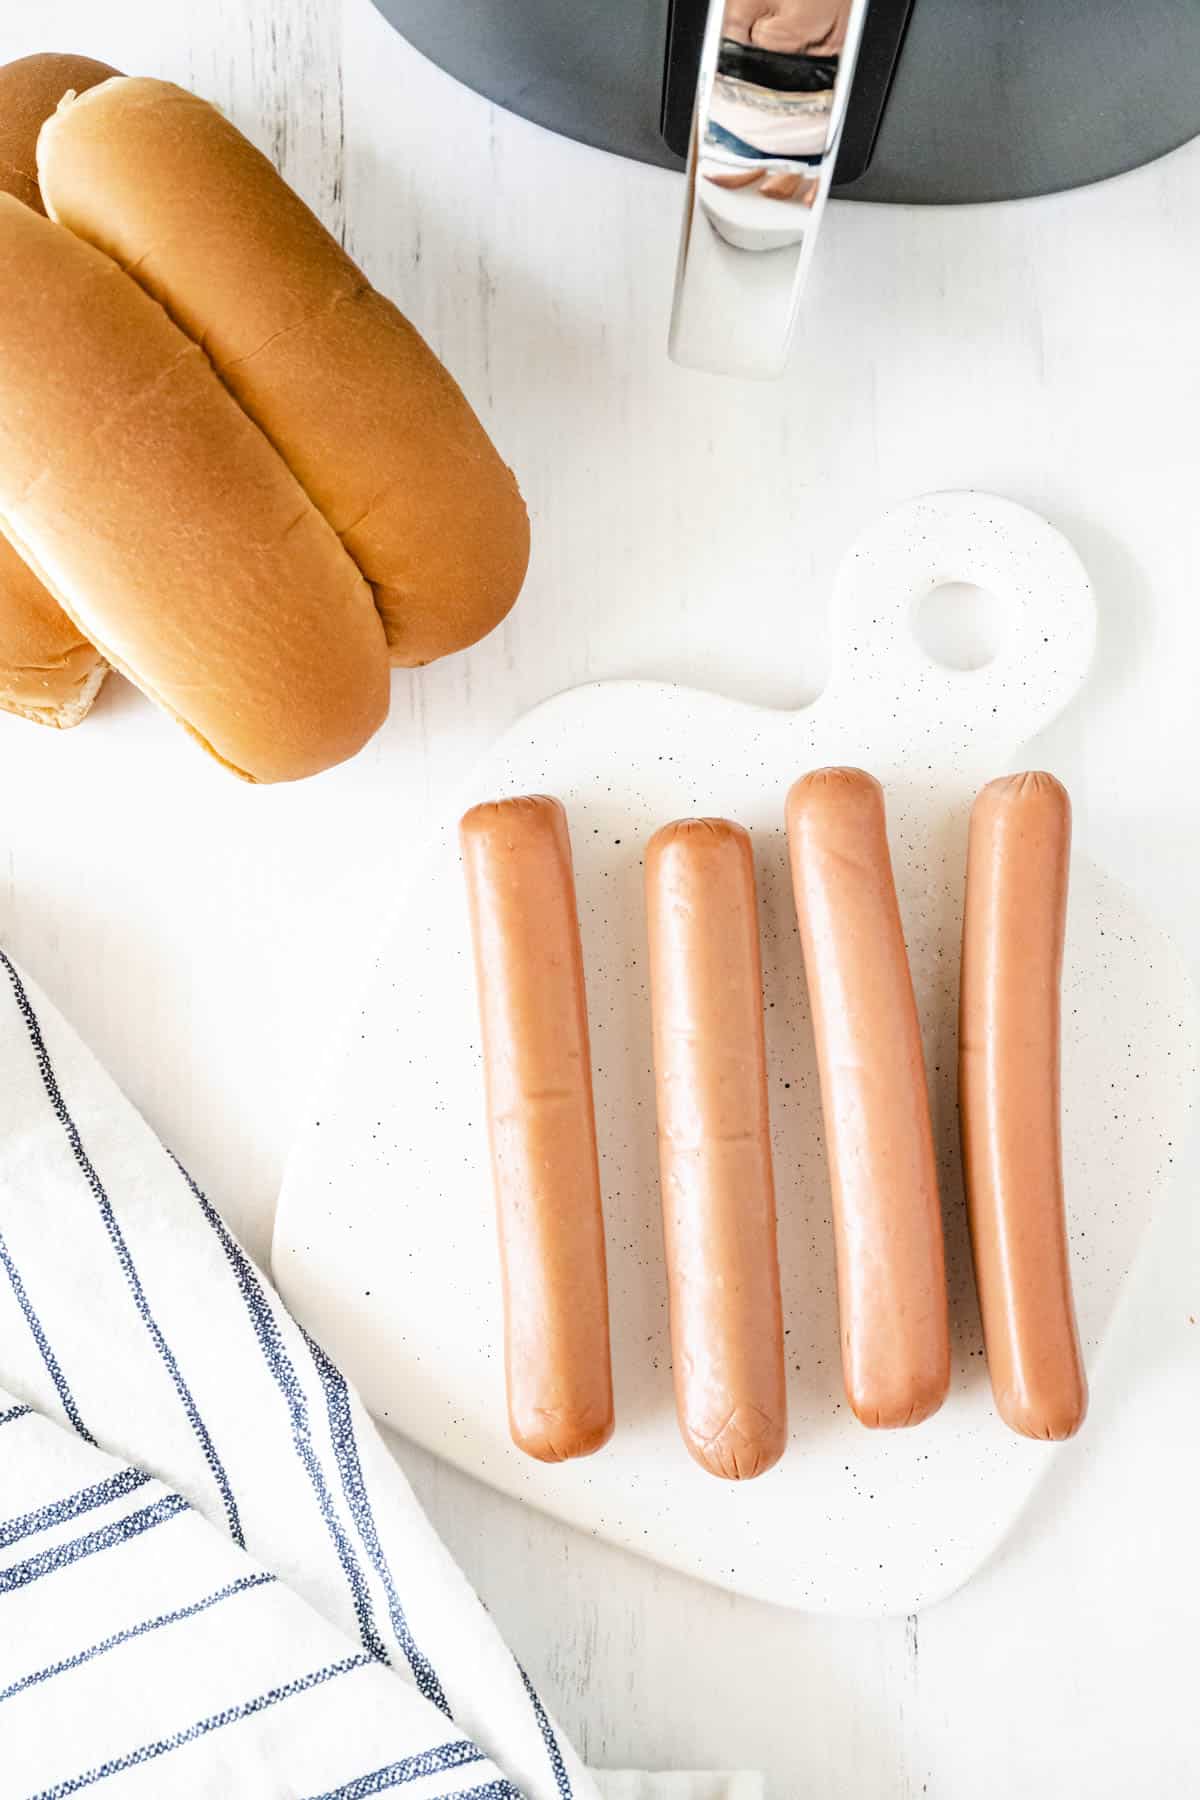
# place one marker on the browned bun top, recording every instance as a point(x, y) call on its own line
point(200, 502)
point(374, 428)
point(48, 670)
point(164, 523)
point(30, 89)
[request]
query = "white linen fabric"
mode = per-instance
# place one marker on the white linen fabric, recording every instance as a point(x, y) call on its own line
point(214, 1579)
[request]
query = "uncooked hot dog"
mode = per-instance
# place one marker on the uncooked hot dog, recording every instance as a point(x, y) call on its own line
point(1009, 1058)
point(715, 1147)
point(541, 1122)
point(886, 1218)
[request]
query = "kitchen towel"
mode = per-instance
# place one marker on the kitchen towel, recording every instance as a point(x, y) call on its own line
point(214, 1578)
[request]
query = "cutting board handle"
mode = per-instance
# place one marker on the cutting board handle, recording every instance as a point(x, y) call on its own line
point(881, 671)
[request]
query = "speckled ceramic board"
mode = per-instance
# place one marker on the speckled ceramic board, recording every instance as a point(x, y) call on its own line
point(385, 1244)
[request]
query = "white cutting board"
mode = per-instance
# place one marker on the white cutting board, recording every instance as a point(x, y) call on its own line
point(384, 1244)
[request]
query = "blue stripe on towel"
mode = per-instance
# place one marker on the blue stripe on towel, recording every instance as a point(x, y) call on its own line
point(133, 1759)
point(40, 1339)
point(15, 1412)
point(56, 1512)
point(345, 1450)
point(270, 1338)
point(61, 1556)
point(491, 1790)
point(561, 1779)
point(117, 1238)
point(122, 1637)
point(410, 1768)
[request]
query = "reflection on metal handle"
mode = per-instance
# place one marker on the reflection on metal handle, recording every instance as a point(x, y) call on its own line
point(764, 143)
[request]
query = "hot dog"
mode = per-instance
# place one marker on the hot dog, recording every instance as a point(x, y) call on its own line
point(1009, 1084)
point(541, 1123)
point(715, 1147)
point(887, 1223)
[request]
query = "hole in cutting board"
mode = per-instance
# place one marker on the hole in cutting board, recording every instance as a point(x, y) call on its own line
point(959, 625)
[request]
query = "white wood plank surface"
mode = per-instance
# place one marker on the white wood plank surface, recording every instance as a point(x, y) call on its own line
point(204, 937)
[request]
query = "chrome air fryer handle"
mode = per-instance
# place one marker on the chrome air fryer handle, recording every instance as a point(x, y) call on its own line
point(766, 127)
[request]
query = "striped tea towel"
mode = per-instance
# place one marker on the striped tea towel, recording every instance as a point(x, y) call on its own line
point(214, 1579)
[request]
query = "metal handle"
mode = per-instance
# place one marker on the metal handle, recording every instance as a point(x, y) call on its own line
point(764, 142)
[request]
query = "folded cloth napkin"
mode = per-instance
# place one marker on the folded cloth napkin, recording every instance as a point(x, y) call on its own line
point(214, 1579)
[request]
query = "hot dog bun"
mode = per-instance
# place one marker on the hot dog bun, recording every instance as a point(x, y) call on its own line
point(30, 89)
point(48, 670)
point(373, 427)
point(165, 525)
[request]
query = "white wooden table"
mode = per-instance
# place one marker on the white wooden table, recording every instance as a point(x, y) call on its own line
point(204, 937)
